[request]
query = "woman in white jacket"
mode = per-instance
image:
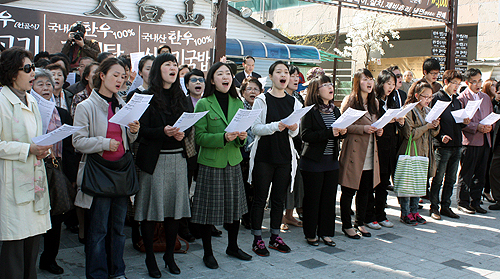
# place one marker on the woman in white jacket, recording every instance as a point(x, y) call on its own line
point(273, 158)
point(24, 198)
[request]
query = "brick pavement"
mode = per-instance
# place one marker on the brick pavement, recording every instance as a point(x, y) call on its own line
point(465, 248)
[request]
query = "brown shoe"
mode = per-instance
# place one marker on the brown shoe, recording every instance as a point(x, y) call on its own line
point(448, 213)
point(466, 209)
point(434, 213)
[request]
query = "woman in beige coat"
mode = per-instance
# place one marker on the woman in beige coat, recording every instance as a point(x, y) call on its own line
point(422, 134)
point(359, 167)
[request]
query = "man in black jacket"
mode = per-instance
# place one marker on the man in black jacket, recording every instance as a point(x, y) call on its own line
point(77, 46)
point(249, 65)
point(448, 144)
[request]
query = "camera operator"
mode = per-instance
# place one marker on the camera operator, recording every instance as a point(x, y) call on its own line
point(77, 46)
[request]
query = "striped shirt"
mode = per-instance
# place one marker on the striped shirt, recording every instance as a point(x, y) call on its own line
point(328, 118)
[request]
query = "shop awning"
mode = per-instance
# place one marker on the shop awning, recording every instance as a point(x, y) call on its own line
point(326, 56)
point(275, 51)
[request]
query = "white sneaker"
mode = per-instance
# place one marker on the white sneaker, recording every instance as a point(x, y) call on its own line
point(374, 225)
point(387, 224)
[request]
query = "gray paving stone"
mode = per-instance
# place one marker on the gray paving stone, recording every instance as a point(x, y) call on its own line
point(312, 263)
point(456, 264)
point(389, 236)
point(487, 243)
point(330, 250)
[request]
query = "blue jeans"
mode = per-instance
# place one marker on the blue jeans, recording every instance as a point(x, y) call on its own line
point(105, 240)
point(447, 160)
point(408, 205)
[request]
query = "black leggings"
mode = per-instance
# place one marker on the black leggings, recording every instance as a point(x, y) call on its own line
point(232, 235)
point(365, 188)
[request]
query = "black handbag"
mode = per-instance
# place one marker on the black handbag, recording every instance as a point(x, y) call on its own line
point(103, 178)
point(61, 191)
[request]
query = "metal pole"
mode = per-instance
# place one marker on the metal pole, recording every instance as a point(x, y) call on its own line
point(451, 29)
point(334, 77)
point(220, 30)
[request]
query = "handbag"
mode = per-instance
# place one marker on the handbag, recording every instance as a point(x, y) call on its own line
point(110, 179)
point(410, 178)
point(61, 191)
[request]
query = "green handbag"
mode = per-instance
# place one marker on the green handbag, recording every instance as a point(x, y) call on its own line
point(410, 178)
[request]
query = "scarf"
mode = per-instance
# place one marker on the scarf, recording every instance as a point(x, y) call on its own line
point(30, 182)
point(326, 108)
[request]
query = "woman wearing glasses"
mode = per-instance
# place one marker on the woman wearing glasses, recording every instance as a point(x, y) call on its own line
point(24, 199)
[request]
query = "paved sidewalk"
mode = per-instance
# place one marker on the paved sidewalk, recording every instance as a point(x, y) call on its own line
point(465, 248)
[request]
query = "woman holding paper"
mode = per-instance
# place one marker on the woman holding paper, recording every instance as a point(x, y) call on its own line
point(110, 141)
point(161, 156)
point(219, 197)
point(359, 162)
point(273, 158)
point(387, 154)
point(422, 134)
point(319, 164)
point(24, 198)
point(63, 152)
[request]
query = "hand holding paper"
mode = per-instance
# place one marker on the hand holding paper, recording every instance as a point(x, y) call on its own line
point(296, 115)
point(348, 117)
point(133, 110)
point(188, 119)
point(467, 112)
point(490, 119)
point(436, 110)
point(243, 120)
point(56, 136)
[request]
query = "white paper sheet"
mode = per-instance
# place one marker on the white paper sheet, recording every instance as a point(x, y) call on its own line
point(436, 111)
point(296, 115)
point(263, 81)
point(71, 78)
point(490, 119)
point(386, 118)
point(135, 57)
point(46, 109)
point(467, 112)
point(242, 120)
point(57, 135)
point(348, 117)
point(404, 110)
point(133, 110)
point(188, 119)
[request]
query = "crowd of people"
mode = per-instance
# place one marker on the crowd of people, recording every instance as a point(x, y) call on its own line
point(86, 181)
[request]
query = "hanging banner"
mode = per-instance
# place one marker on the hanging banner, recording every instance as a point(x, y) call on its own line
point(428, 9)
point(38, 31)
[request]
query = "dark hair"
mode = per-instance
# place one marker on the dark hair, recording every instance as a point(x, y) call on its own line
point(177, 104)
point(471, 72)
point(292, 69)
point(40, 55)
point(393, 68)
point(185, 66)
point(417, 88)
point(273, 66)
point(355, 99)
point(450, 75)
point(210, 88)
point(55, 66)
point(312, 97)
point(77, 26)
point(2, 48)
point(10, 61)
point(383, 77)
point(497, 86)
point(102, 56)
point(430, 64)
point(248, 57)
point(194, 72)
point(42, 63)
point(144, 60)
point(232, 66)
point(126, 60)
point(87, 58)
point(247, 81)
point(162, 47)
point(487, 88)
point(86, 73)
point(57, 58)
point(104, 68)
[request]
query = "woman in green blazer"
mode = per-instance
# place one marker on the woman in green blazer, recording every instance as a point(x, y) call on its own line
point(219, 197)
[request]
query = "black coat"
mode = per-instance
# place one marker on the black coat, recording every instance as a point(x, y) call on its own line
point(496, 138)
point(315, 135)
point(152, 137)
point(70, 159)
point(448, 125)
point(388, 144)
point(392, 99)
point(241, 76)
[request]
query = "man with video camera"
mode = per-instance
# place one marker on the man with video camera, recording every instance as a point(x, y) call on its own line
point(77, 46)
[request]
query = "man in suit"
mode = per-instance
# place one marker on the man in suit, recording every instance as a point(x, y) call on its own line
point(397, 97)
point(476, 146)
point(248, 65)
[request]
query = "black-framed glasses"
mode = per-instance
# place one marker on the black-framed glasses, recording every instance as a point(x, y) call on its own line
point(194, 80)
point(399, 76)
point(27, 68)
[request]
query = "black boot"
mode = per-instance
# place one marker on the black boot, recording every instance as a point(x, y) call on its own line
point(147, 229)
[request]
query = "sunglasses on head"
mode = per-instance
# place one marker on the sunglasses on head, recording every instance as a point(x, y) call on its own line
point(194, 80)
point(27, 68)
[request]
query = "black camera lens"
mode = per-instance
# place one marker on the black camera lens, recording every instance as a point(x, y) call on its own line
point(78, 36)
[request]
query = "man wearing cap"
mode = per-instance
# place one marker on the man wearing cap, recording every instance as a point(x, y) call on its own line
point(77, 46)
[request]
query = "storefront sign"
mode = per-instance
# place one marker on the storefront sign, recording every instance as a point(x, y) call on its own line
point(37, 31)
point(438, 50)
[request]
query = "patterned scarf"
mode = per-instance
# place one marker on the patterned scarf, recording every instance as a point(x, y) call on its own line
point(327, 108)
